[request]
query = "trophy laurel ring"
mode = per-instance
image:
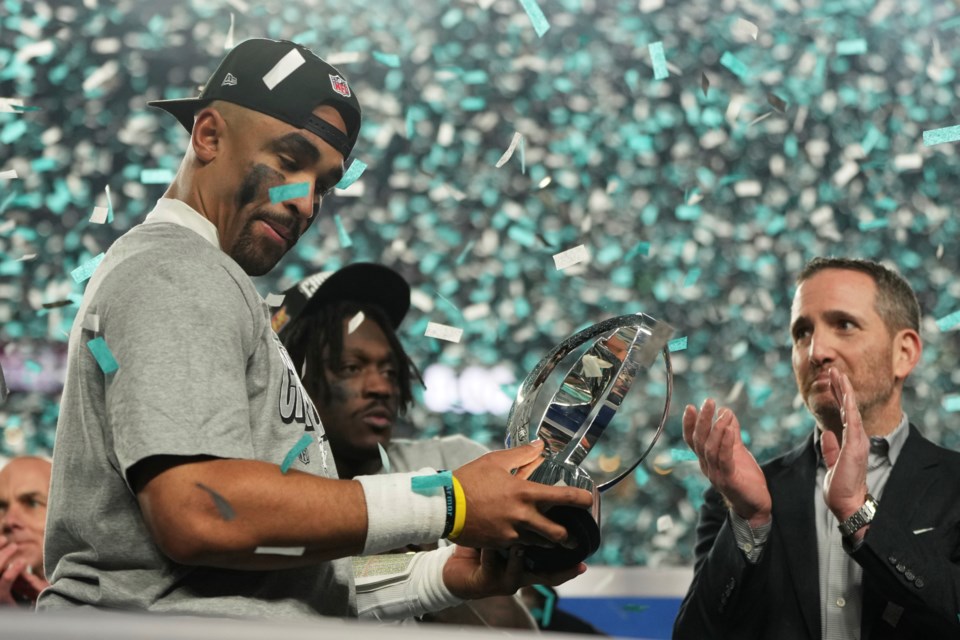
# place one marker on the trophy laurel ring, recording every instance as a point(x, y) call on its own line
point(578, 414)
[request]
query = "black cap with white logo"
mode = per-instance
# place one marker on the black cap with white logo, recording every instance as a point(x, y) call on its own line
point(283, 80)
point(362, 282)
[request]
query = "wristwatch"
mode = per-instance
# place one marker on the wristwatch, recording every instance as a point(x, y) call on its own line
point(860, 519)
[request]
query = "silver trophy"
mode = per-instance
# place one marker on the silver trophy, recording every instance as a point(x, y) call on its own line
point(572, 420)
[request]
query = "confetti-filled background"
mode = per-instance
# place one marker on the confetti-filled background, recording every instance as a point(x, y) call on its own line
point(699, 151)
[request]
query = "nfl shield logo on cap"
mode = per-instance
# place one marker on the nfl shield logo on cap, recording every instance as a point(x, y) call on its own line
point(340, 86)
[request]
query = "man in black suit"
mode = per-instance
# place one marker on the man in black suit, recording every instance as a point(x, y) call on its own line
point(855, 534)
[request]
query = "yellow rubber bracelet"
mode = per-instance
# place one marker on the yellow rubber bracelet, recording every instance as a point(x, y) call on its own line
point(460, 513)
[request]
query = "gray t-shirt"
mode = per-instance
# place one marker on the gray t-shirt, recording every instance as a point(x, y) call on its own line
point(201, 372)
point(448, 452)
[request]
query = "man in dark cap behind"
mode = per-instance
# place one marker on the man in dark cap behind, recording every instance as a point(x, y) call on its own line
point(191, 471)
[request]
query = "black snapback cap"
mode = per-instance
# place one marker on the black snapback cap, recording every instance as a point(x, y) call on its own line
point(283, 80)
point(363, 282)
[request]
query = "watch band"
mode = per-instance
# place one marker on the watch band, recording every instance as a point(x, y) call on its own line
point(861, 518)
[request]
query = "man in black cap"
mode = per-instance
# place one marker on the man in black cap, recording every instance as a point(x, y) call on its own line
point(339, 329)
point(191, 471)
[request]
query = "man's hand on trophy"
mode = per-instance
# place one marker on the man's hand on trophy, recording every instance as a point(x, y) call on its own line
point(473, 573)
point(726, 462)
point(504, 510)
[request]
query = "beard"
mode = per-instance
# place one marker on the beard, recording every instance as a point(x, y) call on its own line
point(256, 256)
point(872, 390)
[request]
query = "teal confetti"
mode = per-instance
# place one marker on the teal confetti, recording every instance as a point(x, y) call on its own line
point(342, 235)
point(682, 455)
point(540, 24)
point(735, 65)
point(692, 276)
point(641, 477)
point(156, 176)
point(297, 449)
point(951, 403)
point(42, 165)
point(102, 354)
point(289, 192)
point(426, 485)
point(466, 250)
point(635, 608)
point(948, 322)
point(384, 459)
point(356, 169)
point(869, 225)
point(873, 137)
point(851, 47)
point(659, 60)
point(33, 366)
point(389, 59)
point(939, 136)
point(639, 249)
point(678, 344)
point(688, 212)
point(546, 614)
point(84, 271)
point(109, 206)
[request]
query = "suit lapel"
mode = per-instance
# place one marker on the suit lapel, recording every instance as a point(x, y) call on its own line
point(792, 491)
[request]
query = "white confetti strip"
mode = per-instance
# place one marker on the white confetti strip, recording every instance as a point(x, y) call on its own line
point(355, 322)
point(517, 137)
point(101, 75)
point(287, 65)
point(281, 551)
point(228, 42)
point(99, 215)
point(748, 188)
point(7, 105)
point(593, 366)
point(664, 523)
point(91, 322)
point(274, 300)
point(745, 28)
point(570, 257)
point(443, 332)
point(846, 173)
point(35, 50)
point(8, 175)
point(908, 161)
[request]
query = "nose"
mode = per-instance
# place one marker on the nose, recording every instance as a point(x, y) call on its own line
point(821, 350)
point(10, 520)
point(306, 206)
point(378, 383)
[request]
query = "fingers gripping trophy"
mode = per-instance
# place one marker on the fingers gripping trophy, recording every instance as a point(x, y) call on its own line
point(573, 419)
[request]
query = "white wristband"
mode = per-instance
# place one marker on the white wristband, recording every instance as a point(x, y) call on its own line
point(419, 589)
point(397, 515)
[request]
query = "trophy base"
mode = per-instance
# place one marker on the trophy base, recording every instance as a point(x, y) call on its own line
point(581, 525)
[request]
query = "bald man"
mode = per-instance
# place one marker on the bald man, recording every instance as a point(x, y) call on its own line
point(24, 484)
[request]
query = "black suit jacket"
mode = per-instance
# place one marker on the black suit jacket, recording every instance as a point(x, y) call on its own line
point(910, 556)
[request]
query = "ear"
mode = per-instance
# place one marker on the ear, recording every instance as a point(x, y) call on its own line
point(207, 135)
point(907, 349)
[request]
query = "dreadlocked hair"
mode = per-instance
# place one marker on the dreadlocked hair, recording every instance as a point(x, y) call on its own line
point(306, 337)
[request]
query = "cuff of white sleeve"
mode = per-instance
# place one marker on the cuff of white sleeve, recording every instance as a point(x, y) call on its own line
point(750, 540)
point(397, 515)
